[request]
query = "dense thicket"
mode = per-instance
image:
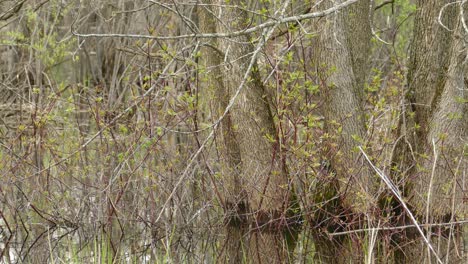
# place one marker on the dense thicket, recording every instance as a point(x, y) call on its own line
point(233, 131)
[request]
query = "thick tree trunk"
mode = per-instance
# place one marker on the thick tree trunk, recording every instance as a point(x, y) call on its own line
point(436, 126)
point(343, 47)
point(358, 34)
point(337, 59)
point(429, 61)
point(264, 180)
point(437, 94)
point(257, 190)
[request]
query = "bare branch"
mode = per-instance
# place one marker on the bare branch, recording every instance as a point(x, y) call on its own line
point(222, 35)
point(398, 195)
point(392, 228)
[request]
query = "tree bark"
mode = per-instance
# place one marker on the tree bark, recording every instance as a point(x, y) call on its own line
point(215, 92)
point(337, 58)
point(342, 50)
point(262, 189)
point(435, 125)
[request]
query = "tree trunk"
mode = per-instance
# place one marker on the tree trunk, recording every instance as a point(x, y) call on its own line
point(215, 92)
point(342, 50)
point(436, 126)
point(337, 56)
point(258, 188)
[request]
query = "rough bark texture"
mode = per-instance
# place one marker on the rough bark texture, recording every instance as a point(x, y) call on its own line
point(264, 178)
point(258, 189)
point(428, 64)
point(343, 46)
point(448, 130)
point(358, 35)
point(435, 127)
point(429, 61)
point(436, 87)
point(217, 93)
point(343, 109)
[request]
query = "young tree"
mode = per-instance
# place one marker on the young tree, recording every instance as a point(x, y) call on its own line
point(230, 158)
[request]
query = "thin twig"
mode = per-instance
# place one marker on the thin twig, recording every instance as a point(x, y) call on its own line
point(265, 25)
point(431, 183)
point(398, 195)
point(392, 228)
point(384, 4)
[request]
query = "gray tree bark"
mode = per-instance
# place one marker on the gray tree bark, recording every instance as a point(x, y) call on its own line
point(259, 188)
point(342, 51)
point(435, 125)
point(215, 97)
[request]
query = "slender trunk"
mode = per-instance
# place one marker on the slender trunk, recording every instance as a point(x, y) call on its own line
point(215, 92)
